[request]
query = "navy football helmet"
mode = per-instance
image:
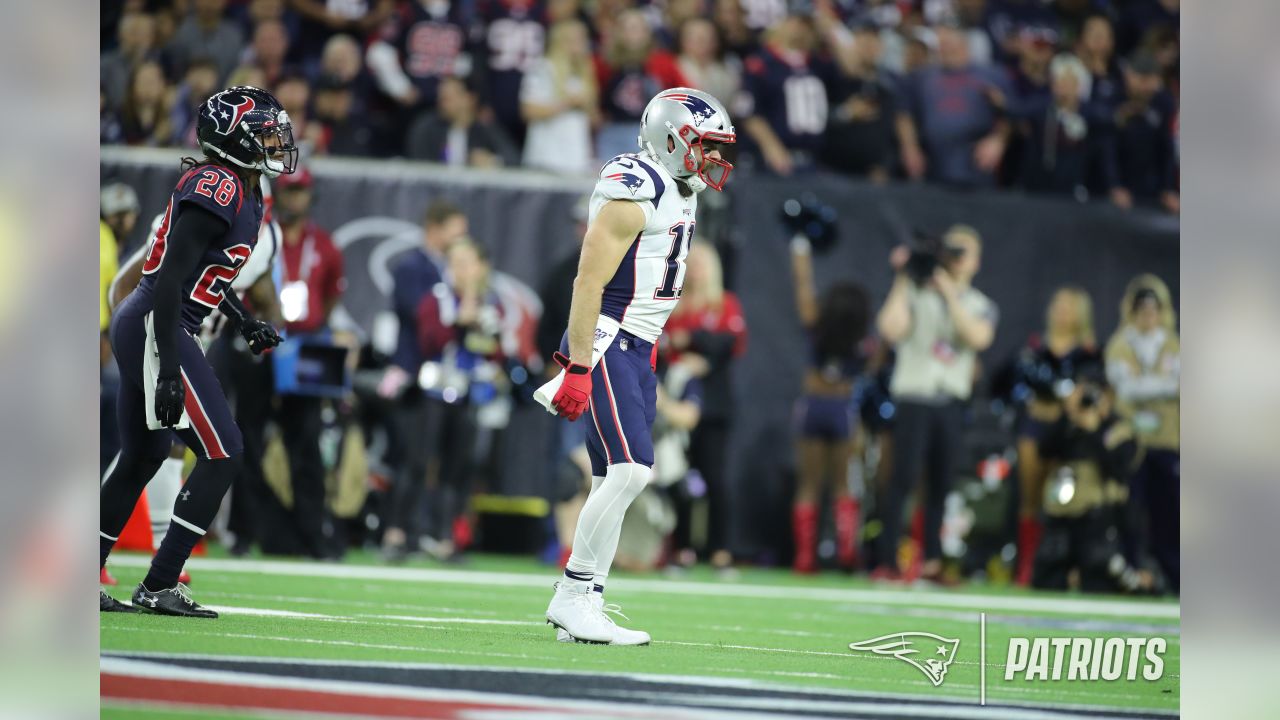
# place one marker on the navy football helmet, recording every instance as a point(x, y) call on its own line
point(247, 126)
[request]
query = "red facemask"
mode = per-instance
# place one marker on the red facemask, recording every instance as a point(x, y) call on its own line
point(714, 172)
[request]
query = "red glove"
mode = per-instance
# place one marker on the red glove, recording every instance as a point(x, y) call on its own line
point(570, 400)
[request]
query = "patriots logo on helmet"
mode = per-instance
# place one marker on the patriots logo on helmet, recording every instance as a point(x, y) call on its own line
point(629, 181)
point(700, 108)
point(935, 652)
point(226, 114)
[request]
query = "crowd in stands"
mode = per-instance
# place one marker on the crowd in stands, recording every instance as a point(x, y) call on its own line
point(1067, 97)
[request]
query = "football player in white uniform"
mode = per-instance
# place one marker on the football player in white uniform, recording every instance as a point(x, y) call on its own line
point(641, 223)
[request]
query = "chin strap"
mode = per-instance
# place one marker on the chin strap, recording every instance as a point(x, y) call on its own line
point(695, 183)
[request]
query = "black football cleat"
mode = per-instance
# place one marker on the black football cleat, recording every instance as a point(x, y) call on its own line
point(175, 601)
point(106, 603)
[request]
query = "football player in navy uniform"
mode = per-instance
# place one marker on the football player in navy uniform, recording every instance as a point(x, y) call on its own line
point(166, 384)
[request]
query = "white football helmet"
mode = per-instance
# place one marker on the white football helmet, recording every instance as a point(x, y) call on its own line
point(678, 119)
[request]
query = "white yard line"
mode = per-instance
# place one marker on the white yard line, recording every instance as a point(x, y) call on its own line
point(791, 593)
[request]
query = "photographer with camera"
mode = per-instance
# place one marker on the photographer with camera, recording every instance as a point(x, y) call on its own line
point(938, 323)
point(1091, 451)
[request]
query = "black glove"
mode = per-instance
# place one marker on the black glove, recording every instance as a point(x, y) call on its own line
point(170, 396)
point(260, 335)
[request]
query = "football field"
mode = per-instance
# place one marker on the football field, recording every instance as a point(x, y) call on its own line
point(362, 639)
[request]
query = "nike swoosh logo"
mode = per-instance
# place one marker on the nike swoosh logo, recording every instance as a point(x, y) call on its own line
point(627, 165)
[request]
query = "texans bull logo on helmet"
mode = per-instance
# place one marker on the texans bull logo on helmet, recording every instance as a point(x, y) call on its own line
point(227, 114)
point(700, 108)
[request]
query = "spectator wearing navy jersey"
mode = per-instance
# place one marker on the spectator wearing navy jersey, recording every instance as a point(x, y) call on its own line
point(1096, 49)
point(784, 98)
point(342, 130)
point(425, 42)
point(1141, 161)
point(632, 69)
point(859, 135)
point(1061, 146)
point(951, 125)
point(137, 38)
point(207, 33)
point(455, 136)
point(1030, 76)
point(702, 60)
point(558, 99)
point(1029, 93)
point(514, 39)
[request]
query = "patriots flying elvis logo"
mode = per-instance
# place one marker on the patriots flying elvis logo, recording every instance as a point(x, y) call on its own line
point(226, 114)
point(930, 654)
point(629, 181)
point(700, 108)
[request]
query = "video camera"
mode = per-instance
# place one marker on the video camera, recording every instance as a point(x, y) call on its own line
point(928, 251)
point(811, 218)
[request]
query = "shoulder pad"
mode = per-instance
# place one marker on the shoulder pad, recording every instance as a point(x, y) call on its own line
point(630, 177)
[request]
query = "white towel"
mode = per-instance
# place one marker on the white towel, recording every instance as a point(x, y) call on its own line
point(150, 372)
point(606, 330)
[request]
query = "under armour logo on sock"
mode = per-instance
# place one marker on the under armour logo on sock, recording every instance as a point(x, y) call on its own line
point(186, 494)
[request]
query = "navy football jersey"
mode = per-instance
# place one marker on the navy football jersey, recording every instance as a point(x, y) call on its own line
point(515, 38)
point(790, 96)
point(221, 192)
point(433, 42)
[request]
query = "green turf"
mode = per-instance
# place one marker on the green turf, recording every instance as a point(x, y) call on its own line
point(798, 640)
point(132, 712)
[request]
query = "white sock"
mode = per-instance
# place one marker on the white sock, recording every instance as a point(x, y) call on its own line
point(595, 541)
point(162, 493)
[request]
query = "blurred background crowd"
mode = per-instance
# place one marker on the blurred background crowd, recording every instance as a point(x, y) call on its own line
point(913, 456)
point(1069, 97)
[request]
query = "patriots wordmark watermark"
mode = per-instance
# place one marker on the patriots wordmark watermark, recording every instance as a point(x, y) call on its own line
point(1085, 658)
point(930, 654)
point(1030, 659)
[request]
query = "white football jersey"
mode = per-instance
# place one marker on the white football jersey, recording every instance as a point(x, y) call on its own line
point(646, 286)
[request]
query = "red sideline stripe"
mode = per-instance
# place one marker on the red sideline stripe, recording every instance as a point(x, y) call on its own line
point(595, 418)
point(227, 695)
point(613, 406)
point(204, 429)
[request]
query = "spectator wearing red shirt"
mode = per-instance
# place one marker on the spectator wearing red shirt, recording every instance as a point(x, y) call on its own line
point(310, 284)
point(708, 332)
point(312, 271)
point(632, 70)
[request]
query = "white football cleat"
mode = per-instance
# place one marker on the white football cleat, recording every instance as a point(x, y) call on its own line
point(621, 635)
point(573, 611)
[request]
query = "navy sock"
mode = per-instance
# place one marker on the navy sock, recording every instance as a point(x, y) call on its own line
point(172, 555)
point(577, 576)
point(104, 549)
point(598, 588)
